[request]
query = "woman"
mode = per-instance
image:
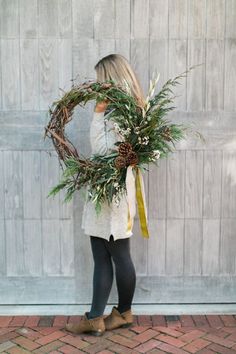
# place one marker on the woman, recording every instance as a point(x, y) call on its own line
point(109, 238)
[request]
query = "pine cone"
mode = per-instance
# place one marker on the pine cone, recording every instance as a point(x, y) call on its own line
point(166, 133)
point(120, 162)
point(124, 148)
point(132, 158)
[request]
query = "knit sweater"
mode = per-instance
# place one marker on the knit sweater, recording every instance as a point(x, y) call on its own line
point(112, 219)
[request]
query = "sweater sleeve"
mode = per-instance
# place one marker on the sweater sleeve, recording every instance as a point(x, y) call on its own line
point(102, 134)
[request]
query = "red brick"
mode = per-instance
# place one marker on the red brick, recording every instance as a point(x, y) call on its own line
point(215, 321)
point(74, 319)
point(49, 347)
point(196, 345)
point(101, 344)
point(228, 320)
point(170, 340)
point(145, 336)
point(105, 352)
point(45, 330)
point(18, 321)
point(200, 321)
point(68, 349)
point(17, 350)
point(124, 341)
point(170, 331)
point(28, 333)
point(222, 341)
point(120, 349)
point(138, 329)
point(60, 321)
point(26, 343)
point(76, 341)
point(5, 320)
point(32, 321)
point(170, 349)
point(158, 320)
point(144, 320)
point(186, 320)
point(7, 336)
point(188, 337)
point(50, 337)
point(147, 346)
point(219, 349)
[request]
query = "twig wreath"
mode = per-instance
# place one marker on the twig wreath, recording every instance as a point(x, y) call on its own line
point(145, 137)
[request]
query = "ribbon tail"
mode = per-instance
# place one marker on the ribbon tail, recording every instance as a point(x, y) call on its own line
point(130, 188)
point(142, 207)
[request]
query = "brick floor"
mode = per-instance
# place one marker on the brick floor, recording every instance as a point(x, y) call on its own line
point(157, 334)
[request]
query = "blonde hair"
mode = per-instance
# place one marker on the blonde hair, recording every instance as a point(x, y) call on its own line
point(116, 67)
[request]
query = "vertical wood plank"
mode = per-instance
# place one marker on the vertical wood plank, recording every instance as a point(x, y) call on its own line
point(2, 248)
point(103, 47)
point(158, 50)
point(174, 246)
point(65, 18)
point(178, 19)
point(67, 247)
point(196, 78)
point(140, 60)
point(214, 74)
point(192, 247)
point(230, 28)
point(157, 190)
point(84, 60)
point(29, 74)
point(177, 65)
point(228, 246)
point(197, 19)
point(122, 19)
point(65, 64)
point(228, 185)
point(212, 184)
point(49, 179)
point(15, 247)
point(10, 74)
point(28, 18)
point(176, 185)
point(33, 247)
point(122, 46)
point(156, 247)
point(48, 72)
point(9, 19)
point(51, 247)
point(211, 246)
point(31, 184)
point(104, 26)
point(13, 178)
point(48, 18)
point(230, 75)
point(139, 245)
point(82, 19)
point(139, 19)
point(215, 19)
point(194, 184)
point(158, 19)
point(2, 211)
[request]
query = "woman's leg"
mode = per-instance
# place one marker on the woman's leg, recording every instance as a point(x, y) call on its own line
point(102, 276)
point(125, 271)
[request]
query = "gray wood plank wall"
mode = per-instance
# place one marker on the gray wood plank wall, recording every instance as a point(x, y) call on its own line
point(190, 256)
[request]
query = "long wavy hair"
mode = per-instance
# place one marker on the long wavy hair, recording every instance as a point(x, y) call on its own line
point(116, 67)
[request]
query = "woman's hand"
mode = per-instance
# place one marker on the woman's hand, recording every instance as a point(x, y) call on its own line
point(101, 106)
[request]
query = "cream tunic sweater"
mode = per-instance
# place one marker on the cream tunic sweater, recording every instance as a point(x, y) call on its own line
point(113, 219)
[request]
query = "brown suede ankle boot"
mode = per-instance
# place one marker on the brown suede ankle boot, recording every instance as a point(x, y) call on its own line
point(94, 326)
point(117, 319)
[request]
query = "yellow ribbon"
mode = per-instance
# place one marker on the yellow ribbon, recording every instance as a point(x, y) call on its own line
point(135, 190)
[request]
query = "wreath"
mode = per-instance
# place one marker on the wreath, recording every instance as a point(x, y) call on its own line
point(145, 137)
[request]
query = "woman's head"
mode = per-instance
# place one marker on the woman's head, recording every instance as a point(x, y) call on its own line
point(116, 67)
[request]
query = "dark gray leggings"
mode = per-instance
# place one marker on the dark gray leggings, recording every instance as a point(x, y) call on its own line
point(119, 251)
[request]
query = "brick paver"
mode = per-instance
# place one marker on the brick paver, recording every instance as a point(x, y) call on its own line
point(156, 334)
